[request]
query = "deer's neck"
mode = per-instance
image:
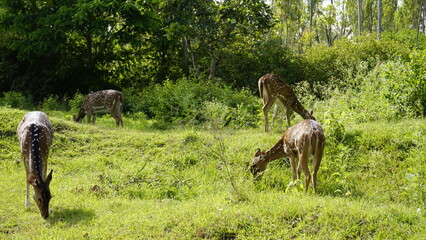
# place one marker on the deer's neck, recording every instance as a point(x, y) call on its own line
point(81, 113)
point(275, 152)
point(301, 110)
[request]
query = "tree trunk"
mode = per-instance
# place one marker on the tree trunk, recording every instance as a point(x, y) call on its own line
point(329, 30)
point(379, 19)
point(191, 52)
point(370, 22)
point(423, 8)
point(360, 17)
point(311, 14)
point(213, 63)
point(185, 57)
point(422, 18)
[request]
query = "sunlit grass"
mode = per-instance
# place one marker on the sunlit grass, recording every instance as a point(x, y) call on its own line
point(186, 183)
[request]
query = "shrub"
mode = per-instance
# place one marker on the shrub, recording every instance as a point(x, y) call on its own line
point(335, 129)
point(54, 103)
point(76, 102)
point(16, 100)
point(324, 64)
point(132, 100)
point(215, 114)
point(404, 88)
point(196, 101)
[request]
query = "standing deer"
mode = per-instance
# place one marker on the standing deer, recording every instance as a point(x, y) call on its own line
point(299, 141)
point(271, 88)
point(35, 134)
point(110, 101)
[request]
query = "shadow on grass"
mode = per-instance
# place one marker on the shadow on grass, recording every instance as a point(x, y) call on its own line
point(70, 216)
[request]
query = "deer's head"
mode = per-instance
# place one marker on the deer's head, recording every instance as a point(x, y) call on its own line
point(311, 113)
point(77, 118)
point(259, 163)
point(41, 193)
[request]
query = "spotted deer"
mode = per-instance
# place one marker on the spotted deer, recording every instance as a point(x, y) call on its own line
point(110, 101)
point(298, 143)
point(35, 134)
point(271, 89)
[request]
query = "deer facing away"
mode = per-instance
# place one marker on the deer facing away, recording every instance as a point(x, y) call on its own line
point(271, 89)
point(110, 101)
point(35, 134)
point(298, 143)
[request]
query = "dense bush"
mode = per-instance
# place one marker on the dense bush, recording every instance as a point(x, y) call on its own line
point(55, 103)
point(195, 101)
point(242, 67)
point(333, 65)
point(16, 100)
point(405, 84)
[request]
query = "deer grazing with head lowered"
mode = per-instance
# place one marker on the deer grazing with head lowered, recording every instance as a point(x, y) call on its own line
point(35, 134)
point(271, 89)
point(298, 143)
point(110, 101)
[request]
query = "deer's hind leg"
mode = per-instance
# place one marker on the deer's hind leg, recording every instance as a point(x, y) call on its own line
point(294, 167)
point(303, 164)
point(268, 102)
point(316, 163)
point(116, 114)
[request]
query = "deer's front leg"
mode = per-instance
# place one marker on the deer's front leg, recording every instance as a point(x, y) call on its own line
point(89, 116)
point(275, 114)
point(27, 194)
point(27, 198)
point(288, 113)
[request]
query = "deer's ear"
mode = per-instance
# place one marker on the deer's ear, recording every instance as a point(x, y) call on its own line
point(32, 180)
point(49, 177)
point(257, 153)
point(311, 111)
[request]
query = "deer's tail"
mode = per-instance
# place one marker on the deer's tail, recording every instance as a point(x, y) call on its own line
point(261, 88)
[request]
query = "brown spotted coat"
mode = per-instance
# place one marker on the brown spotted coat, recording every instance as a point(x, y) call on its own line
point(35, 134)
point(271, 89)
point(298, 143)
point(110, 101)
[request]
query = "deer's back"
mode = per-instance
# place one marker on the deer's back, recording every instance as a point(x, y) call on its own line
point(37, 118)
point(273, 85)
point(305, 135)
point(35, 134)
point(102, 98)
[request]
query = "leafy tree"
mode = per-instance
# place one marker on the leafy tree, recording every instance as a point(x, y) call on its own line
point(290, 16)
point(61, 46)
point(206, 26)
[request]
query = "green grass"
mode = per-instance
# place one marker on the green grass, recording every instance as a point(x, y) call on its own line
point(191, 183)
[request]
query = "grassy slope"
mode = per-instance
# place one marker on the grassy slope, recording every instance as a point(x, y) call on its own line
point(192, 183)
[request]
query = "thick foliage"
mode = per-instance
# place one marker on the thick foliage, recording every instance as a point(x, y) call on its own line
point(196, 101)
point(242, 67)
point(325, 64)
point(16, 100)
